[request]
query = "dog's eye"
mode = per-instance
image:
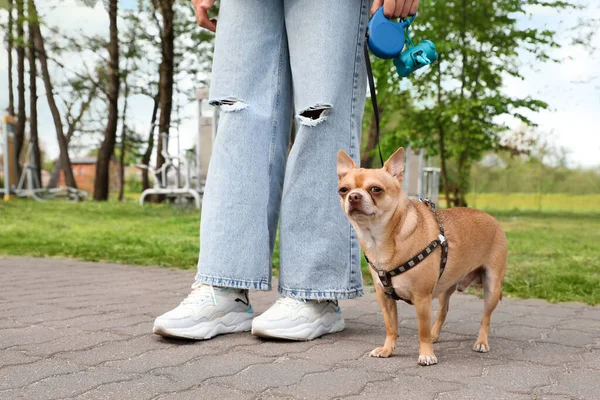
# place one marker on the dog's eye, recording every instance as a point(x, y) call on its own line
point(376, 189)
point(343, 190)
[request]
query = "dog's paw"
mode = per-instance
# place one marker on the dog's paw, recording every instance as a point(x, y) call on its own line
point(435, 337)
point(381, 352)
point(427, 360)
point(481, 347)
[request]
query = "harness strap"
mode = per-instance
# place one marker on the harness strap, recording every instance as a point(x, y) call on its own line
point(386, 276)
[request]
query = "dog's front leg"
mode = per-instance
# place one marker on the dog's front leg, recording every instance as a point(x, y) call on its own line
point(390, 316)
point(423, 308)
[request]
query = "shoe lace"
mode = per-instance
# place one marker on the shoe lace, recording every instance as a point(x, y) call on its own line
point(199, 293)
point(289, 302)
point(292, 303)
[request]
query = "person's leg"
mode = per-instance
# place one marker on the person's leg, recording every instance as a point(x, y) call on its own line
point(251, 85)
point(320, 256)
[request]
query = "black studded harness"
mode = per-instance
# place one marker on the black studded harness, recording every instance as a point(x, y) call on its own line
point(386, 276)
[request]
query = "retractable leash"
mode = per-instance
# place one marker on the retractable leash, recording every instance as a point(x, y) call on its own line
point(386, 39)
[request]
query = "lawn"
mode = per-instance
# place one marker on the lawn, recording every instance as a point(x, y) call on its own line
point(553, 255)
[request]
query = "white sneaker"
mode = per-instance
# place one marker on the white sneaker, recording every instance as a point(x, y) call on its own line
point(207, 311)
point(299, 319)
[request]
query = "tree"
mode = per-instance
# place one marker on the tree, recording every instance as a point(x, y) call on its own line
point(167, 72)
point(460, 97)
point(21, 114)
point(33, 97)
point(63, 145)
point(106, 152)
point(10, 40)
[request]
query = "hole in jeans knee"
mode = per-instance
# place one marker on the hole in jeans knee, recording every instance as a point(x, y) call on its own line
point(314, 115)
point(229, 104)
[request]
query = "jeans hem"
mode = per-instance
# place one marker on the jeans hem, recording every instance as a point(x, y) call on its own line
point(327, 294)
point(233, 283)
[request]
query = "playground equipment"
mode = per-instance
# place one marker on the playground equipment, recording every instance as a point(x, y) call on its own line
point(420, 180)
point(167, 178)
point(28, 184)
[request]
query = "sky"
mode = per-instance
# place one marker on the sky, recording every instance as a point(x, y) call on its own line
point(571, 87)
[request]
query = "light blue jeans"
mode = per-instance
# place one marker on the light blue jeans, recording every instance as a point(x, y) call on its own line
point(274, 59)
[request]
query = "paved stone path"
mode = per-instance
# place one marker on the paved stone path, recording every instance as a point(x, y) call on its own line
point(70, 329)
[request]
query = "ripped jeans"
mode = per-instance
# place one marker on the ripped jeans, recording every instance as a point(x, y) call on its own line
point(274, 59)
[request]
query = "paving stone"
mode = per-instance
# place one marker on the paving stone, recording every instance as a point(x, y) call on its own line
point(573, 338)
point(480, 392)
point(581, 324)
point(331, 354)
point(30, 335)
point(591, 313)
point(155, 359)
point(209, 392)
point(518, 331)
point(341, 382)
point(198, 370)
point(282, 372)
point(115, 350)
point(17, 376)
point(279, 348)
point(557, 312)
point(581, 383)
point(406, 387)
point(516, 376)
point(15, 357)
point(65, 385)
point(70, 343)
point(590, 359)
point(550, 354)
point(71, 328)
point(145, 387)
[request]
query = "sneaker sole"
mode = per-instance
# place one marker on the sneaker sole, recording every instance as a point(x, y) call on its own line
point(231, 323)
point(304, 332)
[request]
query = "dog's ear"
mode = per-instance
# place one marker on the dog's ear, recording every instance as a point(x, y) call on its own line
point(395, 164)
point(344, 164)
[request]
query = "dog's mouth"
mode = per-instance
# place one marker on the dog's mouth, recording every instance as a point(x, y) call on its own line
point(355, 211)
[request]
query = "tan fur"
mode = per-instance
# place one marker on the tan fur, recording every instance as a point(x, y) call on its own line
point(392, 229)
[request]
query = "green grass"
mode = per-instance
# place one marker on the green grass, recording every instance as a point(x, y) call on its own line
point(116, 232)
point(556, 202)
point(553, 255)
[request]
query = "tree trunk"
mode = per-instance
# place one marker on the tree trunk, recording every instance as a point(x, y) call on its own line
point(123, 145)
point(21, 116)
point(55, 176)
point(443, 169)
point(102, 181)
point(62, 142)
point(166, 75)
point(33, 97)
point(11, 94)
point(464, 172)
point(148, 152)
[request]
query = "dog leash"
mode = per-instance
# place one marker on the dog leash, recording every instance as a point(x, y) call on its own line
point(373, 91)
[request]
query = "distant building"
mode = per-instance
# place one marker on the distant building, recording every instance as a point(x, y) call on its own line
point(84, 171)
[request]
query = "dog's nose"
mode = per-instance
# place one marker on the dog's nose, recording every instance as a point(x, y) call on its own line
point(355, 197)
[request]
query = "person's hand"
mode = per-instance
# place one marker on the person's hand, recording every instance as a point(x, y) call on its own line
point(396, 8)
point(201, 7)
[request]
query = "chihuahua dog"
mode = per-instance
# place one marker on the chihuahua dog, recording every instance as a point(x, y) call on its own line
point(392, 229)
